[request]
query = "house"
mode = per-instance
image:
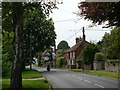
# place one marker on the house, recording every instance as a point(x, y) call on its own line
point(74, 53)
point(50, 56)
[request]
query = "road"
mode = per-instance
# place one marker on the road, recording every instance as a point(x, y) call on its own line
point(67, 79)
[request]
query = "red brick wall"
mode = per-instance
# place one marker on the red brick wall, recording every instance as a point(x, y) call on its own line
point(78, 51)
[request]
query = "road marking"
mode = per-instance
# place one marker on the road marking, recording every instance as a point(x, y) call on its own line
point(92, 76)
point(74, 76)
point(99, 85)
point(87, 81)
point(80, 78)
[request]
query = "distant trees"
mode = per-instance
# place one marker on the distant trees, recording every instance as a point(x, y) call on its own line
point(111, 44)
point(61, 62)
point(99, 12)
point(89, 53)
point(99, 57)
point(63, 45)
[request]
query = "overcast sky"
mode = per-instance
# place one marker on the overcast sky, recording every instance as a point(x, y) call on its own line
point(65, 26)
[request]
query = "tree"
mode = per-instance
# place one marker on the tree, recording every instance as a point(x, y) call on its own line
point(61, 61)
point(16, 75)
point(13, 21)
point(7, 52)
point(63, 45)
point(99, 12)
point(111, 44)
point(89, 53)
point(38, 33)
point(99, 57)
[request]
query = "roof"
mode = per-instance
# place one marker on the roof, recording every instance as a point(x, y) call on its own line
point(74, 47)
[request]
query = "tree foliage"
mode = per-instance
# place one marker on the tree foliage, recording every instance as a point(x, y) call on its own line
point(29, 23)
point(99, 57)
point(111, 44)
point(7, 53)
point(63, 45)
point(99, 12)
point(89, 53)
point(61, 62)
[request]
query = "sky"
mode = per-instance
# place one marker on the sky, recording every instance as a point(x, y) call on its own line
point(68, 25)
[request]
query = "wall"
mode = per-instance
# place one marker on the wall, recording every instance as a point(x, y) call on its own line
point(99, 65)
point(112, 66)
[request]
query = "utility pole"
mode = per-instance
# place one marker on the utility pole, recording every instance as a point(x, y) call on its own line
point(83, 45)
point(30, 53)
point(55, 54)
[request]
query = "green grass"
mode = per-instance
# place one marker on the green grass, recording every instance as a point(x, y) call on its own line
point(31, 74)
point(28, 83)
point(101, 73)
point(35, 84)
point(5, 83)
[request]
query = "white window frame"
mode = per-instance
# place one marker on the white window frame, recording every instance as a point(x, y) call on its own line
point(70, 54)
point(73, 54)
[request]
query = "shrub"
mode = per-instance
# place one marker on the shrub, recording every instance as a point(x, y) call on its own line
point(99, 57)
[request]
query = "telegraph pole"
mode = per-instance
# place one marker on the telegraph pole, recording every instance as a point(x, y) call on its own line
point(83, 45)
point(30, 53)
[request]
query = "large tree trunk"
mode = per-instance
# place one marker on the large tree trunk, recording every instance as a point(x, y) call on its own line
point(16, 74)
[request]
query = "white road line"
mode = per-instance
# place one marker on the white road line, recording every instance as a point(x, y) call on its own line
point(87, 81)
point(99, 85)
point(74, 76)
point(80, 78)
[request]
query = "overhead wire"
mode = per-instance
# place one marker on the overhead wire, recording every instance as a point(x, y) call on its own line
point(65, 20)
point(73, 34)
point(85, 30)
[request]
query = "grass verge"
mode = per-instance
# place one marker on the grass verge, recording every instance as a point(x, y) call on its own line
point(100, 73)
point(27, 83)
point(31, 74)
point(30, 84)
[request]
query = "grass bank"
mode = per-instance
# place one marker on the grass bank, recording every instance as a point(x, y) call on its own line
point(100, 73)
point(29, 74)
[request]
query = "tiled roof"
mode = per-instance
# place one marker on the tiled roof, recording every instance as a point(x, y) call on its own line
point(74, 47)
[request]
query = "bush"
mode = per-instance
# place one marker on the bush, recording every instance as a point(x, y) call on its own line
point(61, 61)
point(99, 57)
point(6, 68)
point(80, 63)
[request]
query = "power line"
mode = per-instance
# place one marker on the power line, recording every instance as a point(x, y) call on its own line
point(97, 29)
point(73, 34)
point(65, 20)
point(85, 30)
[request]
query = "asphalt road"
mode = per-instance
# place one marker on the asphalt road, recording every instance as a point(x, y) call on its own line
point(67, 79)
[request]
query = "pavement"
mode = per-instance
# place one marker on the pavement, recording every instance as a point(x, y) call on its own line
point(59, 78)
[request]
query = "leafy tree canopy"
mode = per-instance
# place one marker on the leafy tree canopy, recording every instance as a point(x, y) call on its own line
point(99, 57)
point(89, 53)
point(63, 45)
point(99, 12)
point(111, 44)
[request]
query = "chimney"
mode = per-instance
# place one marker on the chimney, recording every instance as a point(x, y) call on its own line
point(77, 40)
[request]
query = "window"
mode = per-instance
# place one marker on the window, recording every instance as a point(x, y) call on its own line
point(72, 62)
point(70, 54)
point(73, 54)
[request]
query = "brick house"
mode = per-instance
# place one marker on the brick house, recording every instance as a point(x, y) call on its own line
point(74, 53)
